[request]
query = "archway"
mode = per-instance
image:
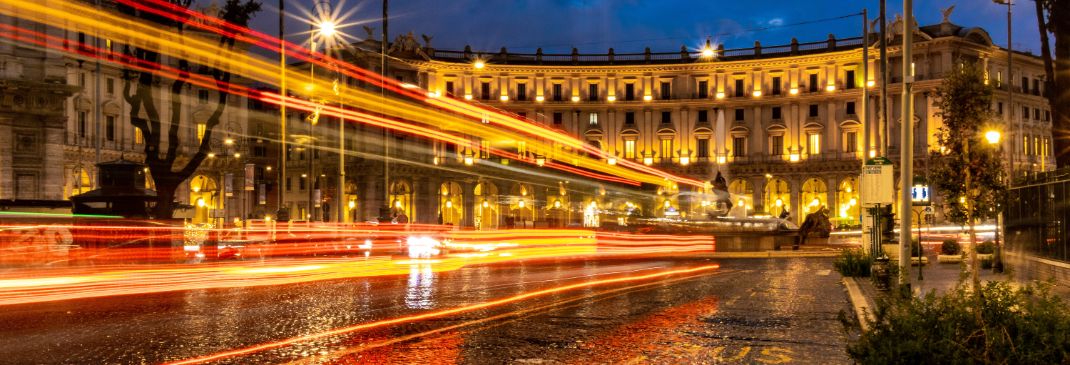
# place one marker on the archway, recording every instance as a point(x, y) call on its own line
point(486, 216)
point(203, 195)
point(451, 204)
point(79, 182)
point(777, 196)
point(521, 206)
point(401, 199)
point(557, 206)
point(849, 211)
point(812, 197)
point(741, 192)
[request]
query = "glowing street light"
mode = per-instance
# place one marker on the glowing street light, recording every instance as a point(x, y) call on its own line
point(992, 136)
point(479, 64)
point(326, 28)
point(707, 50)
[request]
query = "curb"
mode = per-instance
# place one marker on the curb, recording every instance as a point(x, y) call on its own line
point(773, 254)
point(858, 302)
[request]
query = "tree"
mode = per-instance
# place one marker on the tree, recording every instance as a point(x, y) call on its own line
point(1057, 22)
point(967, 173)
point(146, 116)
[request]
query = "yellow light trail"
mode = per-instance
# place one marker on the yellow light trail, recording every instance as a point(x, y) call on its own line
point(73, 16)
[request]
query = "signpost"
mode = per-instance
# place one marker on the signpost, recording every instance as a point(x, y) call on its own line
point(878, 190)
point(920, 197)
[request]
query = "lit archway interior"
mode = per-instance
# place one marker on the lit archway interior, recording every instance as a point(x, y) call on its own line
point(521, 205)
point(451, 203)
point(848, 212)
point(813, 196)
point(486, 208)
point(777, 196)
point(401, 199)
point(742, 193)
point(203, 193)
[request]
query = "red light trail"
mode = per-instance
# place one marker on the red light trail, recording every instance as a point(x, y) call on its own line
point(442, 313)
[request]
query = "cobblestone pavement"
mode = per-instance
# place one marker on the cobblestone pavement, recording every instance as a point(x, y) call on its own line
point(748, 311)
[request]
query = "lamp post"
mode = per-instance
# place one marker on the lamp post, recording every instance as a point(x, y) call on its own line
point(1010, 83)
point(993, 137)
point(283, 214)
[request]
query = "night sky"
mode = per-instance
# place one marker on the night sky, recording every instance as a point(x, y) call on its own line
point(593, 26)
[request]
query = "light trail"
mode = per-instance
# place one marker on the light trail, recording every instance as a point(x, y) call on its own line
point(493, 116)
point(66, 15)
point(441, 313)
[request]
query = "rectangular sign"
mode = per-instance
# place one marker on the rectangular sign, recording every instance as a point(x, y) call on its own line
point(919, 195)
point(316, 197)
point(878, 182)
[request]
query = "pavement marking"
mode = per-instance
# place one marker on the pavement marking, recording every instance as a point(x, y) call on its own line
point(824, 272)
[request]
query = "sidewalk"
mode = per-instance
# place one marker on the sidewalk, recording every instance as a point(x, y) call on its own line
point(935, 276)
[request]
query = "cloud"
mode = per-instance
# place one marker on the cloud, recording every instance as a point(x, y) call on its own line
point(776, 22)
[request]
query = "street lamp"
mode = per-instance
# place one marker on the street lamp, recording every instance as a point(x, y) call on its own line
point(993, 138)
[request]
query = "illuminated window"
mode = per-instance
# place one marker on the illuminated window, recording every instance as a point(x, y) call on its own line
point(139, 138)
point(702, 148)
point(777, 146)
point(629, 149)
point(593, 117)
point(201, 129)
point(484, 149)
point(813, 143)
point(666, 149)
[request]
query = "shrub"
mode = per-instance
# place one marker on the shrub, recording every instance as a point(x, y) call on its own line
point(998, 325)
point(950, 247)
point(986, 263)
point(853, 262)
point(986, 247)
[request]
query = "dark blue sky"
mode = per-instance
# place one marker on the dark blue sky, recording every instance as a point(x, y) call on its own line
point(630, 25)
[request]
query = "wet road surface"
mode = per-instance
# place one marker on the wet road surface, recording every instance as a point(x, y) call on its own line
point(746, 311)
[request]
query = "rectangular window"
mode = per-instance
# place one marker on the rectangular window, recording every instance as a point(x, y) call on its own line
point(139, 138)
point(629, 91)
point(110, 85)
point(109, 128)
point(1036, 114)
point(1025, 112)
point(201, 129)
point(666, 117)
point(666, 150)
point(629, 118)
point(449, 88)
point(813, 143)
point(82, 127)
point(289, 184)
point(484, 90)
point(776, 113)
point(202, 96)
point(559, 118)
point(1047, 115)
point(522, 92)
point(849, 79)
point(666, 90)
point(999, 108)
point(702, 148)
point(81, 79)
point(776, 85)
point(703, 89)
point(813, 83)
point(556, 92)
point(850, 108)
point(592, 92)
point(629, 149)
point(739, 114)
point(739, 88)
point(813, 111)
point(484, 149)
point(739, 146)
point(593, 118)
point(776, 146)
point(1025, 85)
point(1036, 87)
point(703, 116)
point(999, 79)
point(851, 145)
point(301, 183)
point(1025, 145)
